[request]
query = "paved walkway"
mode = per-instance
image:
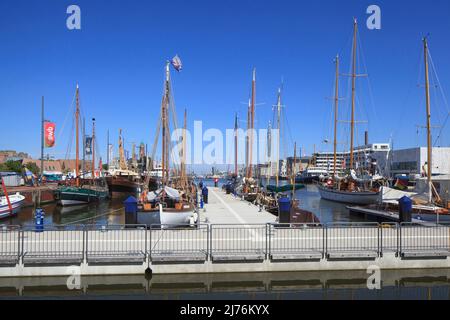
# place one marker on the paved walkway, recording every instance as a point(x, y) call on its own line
point(226, 209)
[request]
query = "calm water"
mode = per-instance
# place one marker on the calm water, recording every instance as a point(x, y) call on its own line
point(406, 284)
point(111, 212)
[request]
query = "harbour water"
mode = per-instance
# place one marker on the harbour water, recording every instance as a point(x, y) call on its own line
point(395, 285)
point(111, 212)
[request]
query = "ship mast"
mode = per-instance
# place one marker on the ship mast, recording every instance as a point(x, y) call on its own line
point(183, 161)
point(252, 126)
point(269, 153)
point(428, 112)
point(93, 149)
point(165, 122)
point(77, 117)
point(279, 134)
point(293, 171)
point(236, 171)
point(353, 75)
point(123, 165)
point(336, 103)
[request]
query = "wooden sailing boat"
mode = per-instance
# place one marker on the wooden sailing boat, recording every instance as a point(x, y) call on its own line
point(277, 188)
point(335, 189)
point(123, 182)
point(426, 206)
point(250, 186)
point(82, 191)
point(169, 205)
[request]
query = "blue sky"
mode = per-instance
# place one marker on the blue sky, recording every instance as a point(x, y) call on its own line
point(118, 59)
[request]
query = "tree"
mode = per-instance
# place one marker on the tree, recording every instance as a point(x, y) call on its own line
point(105, 167)
point(11, 166)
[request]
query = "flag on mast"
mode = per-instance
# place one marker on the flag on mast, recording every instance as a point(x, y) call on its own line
point(177, 64)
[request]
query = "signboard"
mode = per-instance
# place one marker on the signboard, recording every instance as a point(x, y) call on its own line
point(49, 136)
point(88, 145)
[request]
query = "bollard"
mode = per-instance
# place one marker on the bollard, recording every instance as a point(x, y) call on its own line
point(39, 220)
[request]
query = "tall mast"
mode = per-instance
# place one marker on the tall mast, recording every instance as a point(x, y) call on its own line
point(183, 161)
point(293, 170)
point(279, 134)
point(77, 116)
point(252, 125)
point(336, 103)
point(42, 140)
point(269, 153)
point(236, 170)
point(352, 122)
point(83, 165)
point(247, 138)
point(107, 149)
point(428, 110)
point(122, 162)
point(93, 149)
point(165, 119)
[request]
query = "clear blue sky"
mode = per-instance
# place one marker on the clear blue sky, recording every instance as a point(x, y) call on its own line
point(118, 60)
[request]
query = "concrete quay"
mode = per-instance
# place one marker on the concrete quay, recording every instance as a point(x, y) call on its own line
point(233, 237)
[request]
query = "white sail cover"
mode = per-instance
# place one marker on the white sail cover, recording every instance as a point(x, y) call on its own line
point(170, 192)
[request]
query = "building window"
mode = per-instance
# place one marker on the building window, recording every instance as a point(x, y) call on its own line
point(410, 166)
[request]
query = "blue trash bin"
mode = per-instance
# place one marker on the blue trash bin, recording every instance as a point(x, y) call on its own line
point(284, 208)
point(405, 209)
point(131, 210)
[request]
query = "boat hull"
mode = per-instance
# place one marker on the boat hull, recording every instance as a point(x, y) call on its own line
point(123, 186)
point(167, 217)
point(16, 206)
point(361, 198)
point(73, 197)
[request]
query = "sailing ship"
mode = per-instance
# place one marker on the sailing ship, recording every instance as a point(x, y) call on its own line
point(82, 191)
point(123, 182)
point(249, 187)
point(427, 201)
point(172, 203)
point(349, 189)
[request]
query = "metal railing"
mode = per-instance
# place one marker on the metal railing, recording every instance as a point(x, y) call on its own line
point(238, 240)
point(418, 239)
point(351, 238)
point(55, 245)
point(290, 239)
point(116, 244)
point(9, 245)
point(174, 240)
point(119, 244)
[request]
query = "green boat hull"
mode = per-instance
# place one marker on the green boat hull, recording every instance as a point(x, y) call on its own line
point(285, 188)
point(68, 196)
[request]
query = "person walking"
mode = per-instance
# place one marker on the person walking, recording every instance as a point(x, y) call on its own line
point(205, 194)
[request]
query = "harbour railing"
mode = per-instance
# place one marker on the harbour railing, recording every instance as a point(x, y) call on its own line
point(219, 243)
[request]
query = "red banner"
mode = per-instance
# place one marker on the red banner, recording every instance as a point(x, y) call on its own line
point(49, 130)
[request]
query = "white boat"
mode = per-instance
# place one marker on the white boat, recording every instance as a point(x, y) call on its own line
point(168, 217)
point(16, 201)
point(365, 197)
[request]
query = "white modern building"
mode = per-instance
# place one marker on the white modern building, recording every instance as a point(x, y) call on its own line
point(413, 161)
point(371, 157)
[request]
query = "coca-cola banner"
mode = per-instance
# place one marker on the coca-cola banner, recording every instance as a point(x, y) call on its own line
point(49, 130)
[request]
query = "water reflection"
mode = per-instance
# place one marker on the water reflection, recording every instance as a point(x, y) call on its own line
point(396, 284)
